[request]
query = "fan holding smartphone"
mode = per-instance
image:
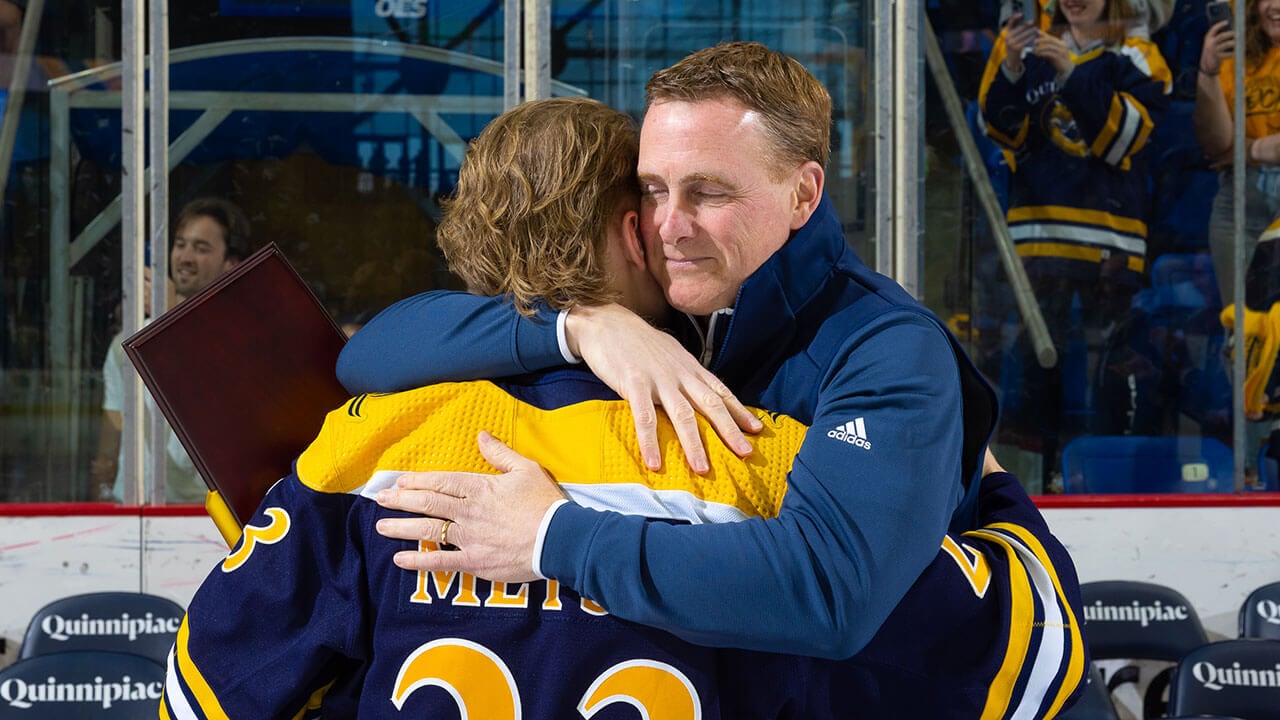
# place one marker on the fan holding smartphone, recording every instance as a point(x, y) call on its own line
point(1219, 11)
point(1215, 93)
point(1073, 107)
point(1031, 12)
point(1215, 106)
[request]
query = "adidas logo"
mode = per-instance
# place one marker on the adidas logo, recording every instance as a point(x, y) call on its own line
point(854, 433)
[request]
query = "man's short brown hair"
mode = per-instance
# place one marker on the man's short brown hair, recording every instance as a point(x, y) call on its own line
point(793, 105)
point(228, 215)
point(536, 193)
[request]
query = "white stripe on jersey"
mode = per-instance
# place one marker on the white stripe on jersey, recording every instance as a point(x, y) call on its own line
point(637, 499)
point(175, 698)
point(1051, 652)
point(1095, 236)
point(1127, 133)
point(1138, 59)
point(381, 480)
point(626, 498)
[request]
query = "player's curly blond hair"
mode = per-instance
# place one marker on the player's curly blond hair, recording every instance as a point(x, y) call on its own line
point(536, 192)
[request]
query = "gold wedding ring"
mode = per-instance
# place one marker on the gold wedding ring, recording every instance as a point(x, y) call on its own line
point(444, 532)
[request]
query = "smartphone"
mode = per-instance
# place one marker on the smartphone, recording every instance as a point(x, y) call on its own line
point(1031, 12)
point(1218, 11)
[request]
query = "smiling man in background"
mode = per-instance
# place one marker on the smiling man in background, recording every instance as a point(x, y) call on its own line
point(212, 236)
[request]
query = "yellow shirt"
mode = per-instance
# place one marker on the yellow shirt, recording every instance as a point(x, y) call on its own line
point(1261, 97)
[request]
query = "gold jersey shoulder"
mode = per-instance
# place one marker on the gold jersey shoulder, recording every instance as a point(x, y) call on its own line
point(591, 442)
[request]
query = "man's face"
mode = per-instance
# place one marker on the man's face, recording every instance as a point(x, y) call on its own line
point(199, 255)
point(710, 213)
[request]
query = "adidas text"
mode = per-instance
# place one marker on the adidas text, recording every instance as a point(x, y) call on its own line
point(854, 433)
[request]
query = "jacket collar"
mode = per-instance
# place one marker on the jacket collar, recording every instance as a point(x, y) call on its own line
point(763, 318)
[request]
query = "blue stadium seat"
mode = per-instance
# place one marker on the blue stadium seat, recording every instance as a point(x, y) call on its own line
point(1140, 620)
point(129, 622)
point(1182, 284)
point(1260, 613)
point(1183, 267)
point(1146, 464)
point(82, 685)
point(1128, 620)
point(1232, 677)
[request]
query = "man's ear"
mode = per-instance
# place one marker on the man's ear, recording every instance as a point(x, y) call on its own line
point(629, 233)
point(807, 194)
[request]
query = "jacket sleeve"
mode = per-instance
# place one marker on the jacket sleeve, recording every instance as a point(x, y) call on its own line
point(1005, 111)
point(856, 528)
point(277, 620)
point(446, 336)
point(1117, 99)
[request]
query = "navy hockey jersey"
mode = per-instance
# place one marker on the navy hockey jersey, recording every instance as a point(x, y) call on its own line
point(309, 610)
point(1078, 197)
point(309, 613)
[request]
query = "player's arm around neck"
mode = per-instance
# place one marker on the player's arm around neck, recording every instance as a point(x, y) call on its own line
point(650, 369)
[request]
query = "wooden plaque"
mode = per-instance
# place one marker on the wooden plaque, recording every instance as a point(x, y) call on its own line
point(244, 372)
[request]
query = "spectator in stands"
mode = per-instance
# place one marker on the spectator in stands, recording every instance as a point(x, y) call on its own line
point(1073, 108)
point(1215, 102)
point(211, 237)
point(1215, 92)
point(1147, 16)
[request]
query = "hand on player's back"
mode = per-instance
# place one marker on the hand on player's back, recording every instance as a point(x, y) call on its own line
point(492, 519)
